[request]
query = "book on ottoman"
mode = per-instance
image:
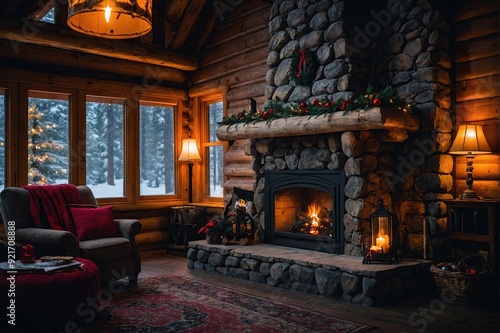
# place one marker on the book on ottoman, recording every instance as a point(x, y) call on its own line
point(40, 266)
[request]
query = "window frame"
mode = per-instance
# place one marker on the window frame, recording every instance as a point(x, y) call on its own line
point(177, 125)
point(126, 144)
point(11, 131)
point(205, 144)
point(22, 137)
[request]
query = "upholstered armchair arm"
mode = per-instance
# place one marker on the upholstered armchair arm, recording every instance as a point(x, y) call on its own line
point(128, 228)
point(64, 242)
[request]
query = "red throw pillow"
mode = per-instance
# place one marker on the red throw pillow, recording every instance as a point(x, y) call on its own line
point(92, 223)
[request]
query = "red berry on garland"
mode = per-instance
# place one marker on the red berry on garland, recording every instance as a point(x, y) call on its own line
point(303, 105)
point(377, 101)
point(271, 111)
point(263, 115)
point(315, 102)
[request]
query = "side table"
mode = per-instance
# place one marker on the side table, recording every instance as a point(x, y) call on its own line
point(475, 224)
point(182, 228)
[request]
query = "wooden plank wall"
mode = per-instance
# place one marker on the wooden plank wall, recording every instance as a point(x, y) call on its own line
point(234, 61)
point(477, 61)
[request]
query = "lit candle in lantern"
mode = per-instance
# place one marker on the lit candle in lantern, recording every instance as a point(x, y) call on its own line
point(376, 249)
point(383, 242)
point(380, 242)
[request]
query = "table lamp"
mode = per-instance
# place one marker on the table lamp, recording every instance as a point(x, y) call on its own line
point(470, 141)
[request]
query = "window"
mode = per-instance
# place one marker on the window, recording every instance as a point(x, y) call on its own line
point(45, 13)
point(3, 108)
point(124, 147)
point(157, 167)
point(48, 152)
point(104, 147)
point(214, 149)
point(50, 16)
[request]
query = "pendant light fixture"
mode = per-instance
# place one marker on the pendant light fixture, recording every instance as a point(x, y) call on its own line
point(111, 18)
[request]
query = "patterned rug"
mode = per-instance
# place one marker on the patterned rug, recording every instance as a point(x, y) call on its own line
point(170, 303)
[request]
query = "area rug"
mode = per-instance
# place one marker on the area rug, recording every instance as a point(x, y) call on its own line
point(171, 303)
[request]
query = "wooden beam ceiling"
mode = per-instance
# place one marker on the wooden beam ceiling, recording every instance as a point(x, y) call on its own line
point(65, 38)
point(189, 18)
point(181, 29)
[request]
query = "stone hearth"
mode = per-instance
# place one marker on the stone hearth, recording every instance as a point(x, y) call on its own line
point(337, 276)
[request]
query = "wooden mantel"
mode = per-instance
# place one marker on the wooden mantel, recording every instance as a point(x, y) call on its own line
point(396, 125)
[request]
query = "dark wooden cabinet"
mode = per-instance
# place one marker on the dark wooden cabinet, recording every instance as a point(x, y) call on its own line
point(473, 225)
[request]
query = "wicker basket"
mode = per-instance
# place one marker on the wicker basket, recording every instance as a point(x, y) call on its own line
point(459, 287)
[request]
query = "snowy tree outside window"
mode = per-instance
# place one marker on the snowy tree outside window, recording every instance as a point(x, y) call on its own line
point(215, 151)
point(157, 173)
point(104, 152)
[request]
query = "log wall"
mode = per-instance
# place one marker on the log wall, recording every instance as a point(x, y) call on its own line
point(478, 89)
point(234, 62)
point(156, 224)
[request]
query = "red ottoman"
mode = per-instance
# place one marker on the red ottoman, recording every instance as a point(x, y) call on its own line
point(50, 300)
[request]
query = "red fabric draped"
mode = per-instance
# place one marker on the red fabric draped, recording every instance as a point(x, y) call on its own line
point(48, 205)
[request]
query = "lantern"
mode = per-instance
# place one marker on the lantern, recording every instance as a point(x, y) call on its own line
point(243, 222)
point(380, 246)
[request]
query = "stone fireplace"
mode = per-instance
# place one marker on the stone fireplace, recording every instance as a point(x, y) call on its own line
point(363, 167)
point(399, 157)
point(393, 156)
point(305, 209)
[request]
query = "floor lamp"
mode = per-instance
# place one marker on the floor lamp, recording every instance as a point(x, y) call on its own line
point(189, 154)
point(470, 141)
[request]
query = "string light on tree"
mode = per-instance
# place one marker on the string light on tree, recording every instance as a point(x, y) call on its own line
point(41, 149)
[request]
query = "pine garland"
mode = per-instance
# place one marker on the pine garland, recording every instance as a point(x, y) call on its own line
point(385, 98)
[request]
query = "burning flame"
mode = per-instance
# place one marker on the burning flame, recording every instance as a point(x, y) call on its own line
point(312, 211)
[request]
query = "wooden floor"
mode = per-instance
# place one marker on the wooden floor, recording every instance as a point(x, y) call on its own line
point(425, 313)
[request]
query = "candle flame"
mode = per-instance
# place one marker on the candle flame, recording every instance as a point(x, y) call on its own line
point(107, 13)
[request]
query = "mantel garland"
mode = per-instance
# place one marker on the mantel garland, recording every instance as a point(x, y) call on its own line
point(385, 98)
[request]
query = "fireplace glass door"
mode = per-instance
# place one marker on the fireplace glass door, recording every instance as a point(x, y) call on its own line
point(305, 209)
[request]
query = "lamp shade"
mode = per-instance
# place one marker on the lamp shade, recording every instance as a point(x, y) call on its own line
point(110, 18)
point(470, 139)
point(189, 151)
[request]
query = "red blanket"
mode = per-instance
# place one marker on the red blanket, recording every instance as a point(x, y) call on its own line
point(48, 205)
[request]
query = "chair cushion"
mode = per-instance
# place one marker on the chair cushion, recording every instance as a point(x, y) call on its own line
point(92, 223)
point(105, 249)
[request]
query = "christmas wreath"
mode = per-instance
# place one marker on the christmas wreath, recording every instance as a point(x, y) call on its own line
point(303, 67)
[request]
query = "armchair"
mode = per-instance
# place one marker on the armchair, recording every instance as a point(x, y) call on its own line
point(116, 257)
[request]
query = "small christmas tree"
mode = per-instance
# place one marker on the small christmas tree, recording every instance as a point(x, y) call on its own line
point(44, 162)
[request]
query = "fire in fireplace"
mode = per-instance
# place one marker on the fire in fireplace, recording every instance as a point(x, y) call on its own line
point(305, 209)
